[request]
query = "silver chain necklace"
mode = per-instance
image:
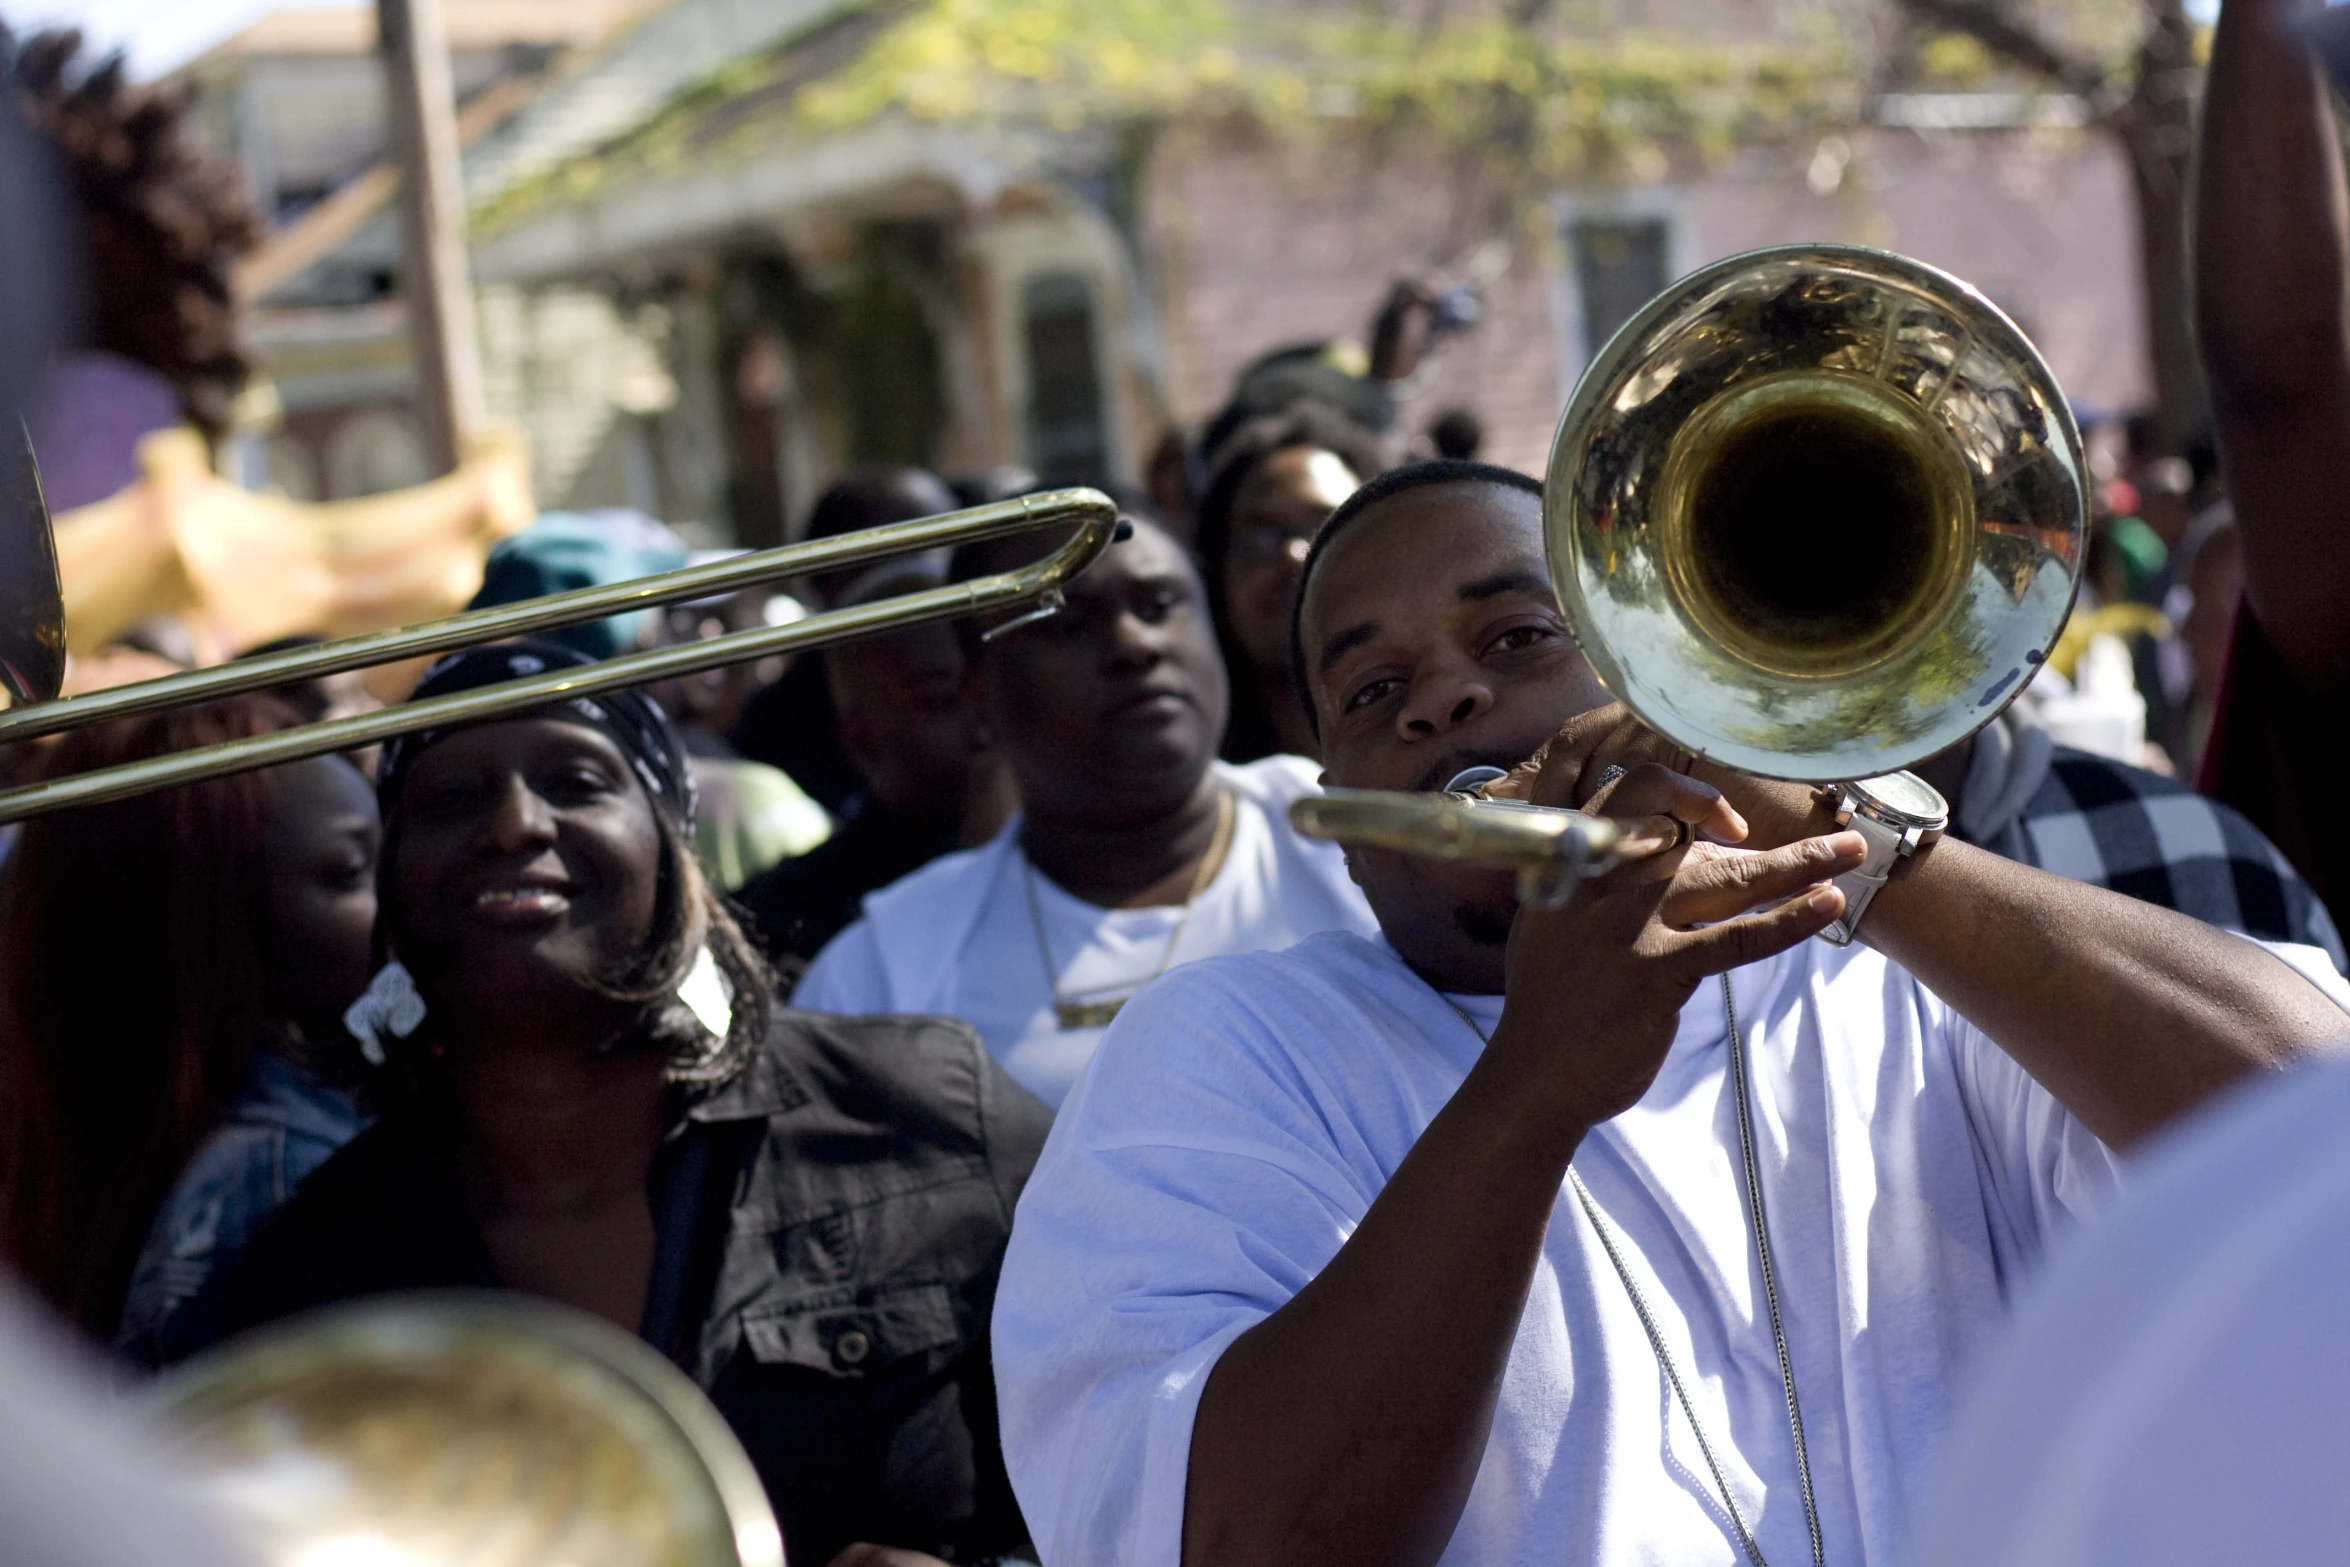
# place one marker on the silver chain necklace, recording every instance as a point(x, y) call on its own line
point(1762, 1250)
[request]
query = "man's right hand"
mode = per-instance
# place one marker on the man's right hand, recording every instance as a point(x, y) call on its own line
point(1595, 988)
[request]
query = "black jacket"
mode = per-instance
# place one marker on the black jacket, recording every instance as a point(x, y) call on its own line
point(830, 1225)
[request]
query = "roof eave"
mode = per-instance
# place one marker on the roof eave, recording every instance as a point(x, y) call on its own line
point(683, 210)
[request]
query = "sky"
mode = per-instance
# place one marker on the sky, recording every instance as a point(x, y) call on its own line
point(157, 34)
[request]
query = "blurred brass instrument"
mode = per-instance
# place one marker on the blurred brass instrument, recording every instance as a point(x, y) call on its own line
point(1814, 513)
point(464, 1430)
point(33, 609)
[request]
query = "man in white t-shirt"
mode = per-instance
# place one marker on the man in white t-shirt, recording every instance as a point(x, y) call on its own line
point(1135, 850)
point(1312, 1271)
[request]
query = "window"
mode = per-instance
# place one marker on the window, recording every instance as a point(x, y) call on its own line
point(1621, 263)
point(1068, 442)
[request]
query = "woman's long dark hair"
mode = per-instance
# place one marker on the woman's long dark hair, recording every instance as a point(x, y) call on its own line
point(134, 978)
point(688, 915)
point(1235, 459)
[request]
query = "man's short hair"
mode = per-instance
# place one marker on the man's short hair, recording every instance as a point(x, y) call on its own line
point(1396, 481)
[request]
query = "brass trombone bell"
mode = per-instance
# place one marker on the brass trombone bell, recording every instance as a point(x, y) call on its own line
point(1814, 513)
point(1037, 586)
point(467, 1430)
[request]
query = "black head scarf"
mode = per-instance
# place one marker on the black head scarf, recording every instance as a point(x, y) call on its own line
point(631, 720)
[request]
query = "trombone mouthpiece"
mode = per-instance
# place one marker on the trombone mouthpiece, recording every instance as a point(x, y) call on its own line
point(1471, 781)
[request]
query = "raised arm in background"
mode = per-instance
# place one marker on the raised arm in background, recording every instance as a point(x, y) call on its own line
point(2271, 239)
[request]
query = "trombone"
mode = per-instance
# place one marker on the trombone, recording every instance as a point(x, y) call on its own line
point(1036, 586)
point(451, 1429)
point(1815, 512)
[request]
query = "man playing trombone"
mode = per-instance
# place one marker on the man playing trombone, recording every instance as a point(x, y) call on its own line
point(1645, 1229)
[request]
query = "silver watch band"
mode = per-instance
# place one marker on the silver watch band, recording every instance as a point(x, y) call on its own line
point(1861, 884)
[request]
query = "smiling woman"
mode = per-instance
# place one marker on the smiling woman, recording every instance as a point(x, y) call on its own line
point(592, 1096)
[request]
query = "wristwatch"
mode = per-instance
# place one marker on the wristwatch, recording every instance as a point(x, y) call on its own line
point(1899, 814)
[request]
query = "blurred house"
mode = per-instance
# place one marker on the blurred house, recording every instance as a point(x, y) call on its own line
point(937, 294)
point(296, 100)
point(1261, 245)
point(700, 304)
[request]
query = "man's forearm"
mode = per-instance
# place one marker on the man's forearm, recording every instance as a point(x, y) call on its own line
point(1347, 1427)
point(2271, 240)
point(2127, 1013)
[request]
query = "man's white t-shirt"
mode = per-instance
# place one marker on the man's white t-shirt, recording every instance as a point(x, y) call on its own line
point(1244, 1113)
point(957, 937)
point(2176, 1391)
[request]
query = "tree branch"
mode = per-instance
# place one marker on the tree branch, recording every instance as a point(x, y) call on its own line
point(1992, 26)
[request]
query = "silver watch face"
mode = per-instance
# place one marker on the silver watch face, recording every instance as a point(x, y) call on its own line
point(1902, 799)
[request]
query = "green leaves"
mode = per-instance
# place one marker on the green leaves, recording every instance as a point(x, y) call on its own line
point(1067, 61)
point(1533, 106)
point(1559, 104)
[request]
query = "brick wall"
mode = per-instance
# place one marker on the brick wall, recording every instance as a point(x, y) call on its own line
point(1250, 245)
point(2042, 221)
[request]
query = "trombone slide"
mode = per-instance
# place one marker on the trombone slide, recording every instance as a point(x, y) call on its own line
point(1092, 515)
point(1550, 849)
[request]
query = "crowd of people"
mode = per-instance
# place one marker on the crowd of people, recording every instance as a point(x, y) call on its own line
point(944, 1049)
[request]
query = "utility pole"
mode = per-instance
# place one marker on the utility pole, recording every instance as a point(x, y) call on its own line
point(436, 285)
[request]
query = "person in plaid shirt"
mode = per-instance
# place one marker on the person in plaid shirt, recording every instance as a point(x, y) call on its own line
point(2137, 832)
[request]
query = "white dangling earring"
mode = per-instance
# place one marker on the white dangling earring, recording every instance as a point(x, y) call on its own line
point(390, 1007)
point(707, 995)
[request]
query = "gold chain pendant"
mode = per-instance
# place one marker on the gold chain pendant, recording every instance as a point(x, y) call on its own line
point(1097, 1014)
point(1085, 1014)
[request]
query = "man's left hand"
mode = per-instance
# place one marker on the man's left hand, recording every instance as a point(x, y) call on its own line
point(1574, 767)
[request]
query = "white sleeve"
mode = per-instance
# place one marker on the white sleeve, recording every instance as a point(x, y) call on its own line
point(2173, 1392)
point(847, 977)
point(1188, 1190)
point(88, 1478)
point(2312, 964)
point(2045, 1165)
point(2045, 1168)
